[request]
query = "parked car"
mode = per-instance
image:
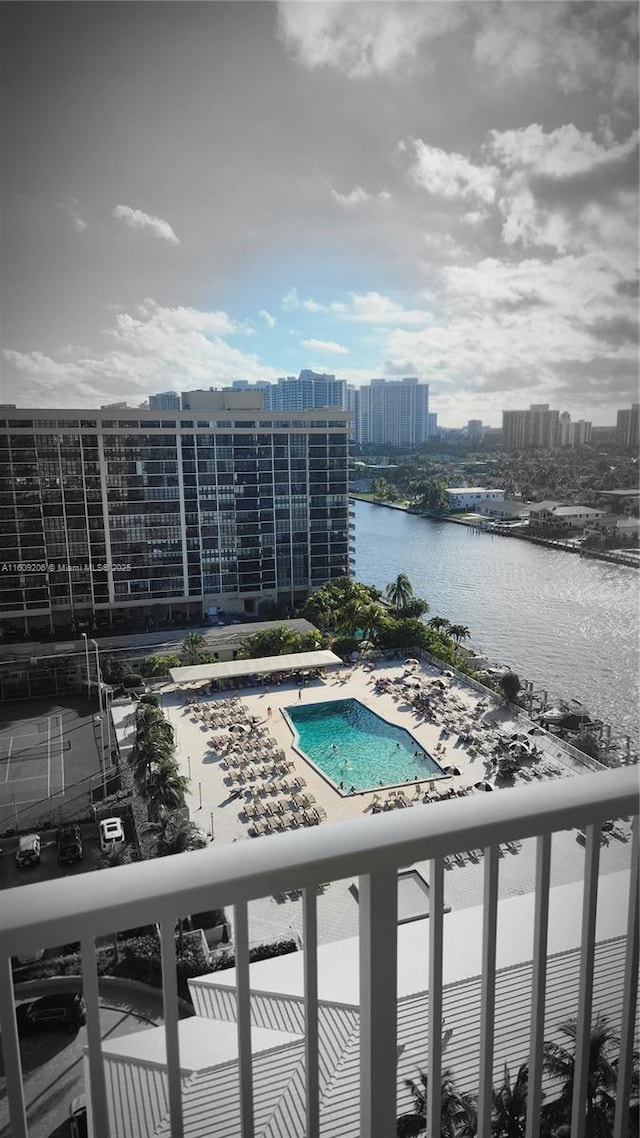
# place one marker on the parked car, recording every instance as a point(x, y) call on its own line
point(78, 1117)
point(69, 843)
point(28, 852)
point(111, 834)
point(64, 1009)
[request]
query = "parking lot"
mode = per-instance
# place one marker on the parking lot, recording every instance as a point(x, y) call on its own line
point(11, 875)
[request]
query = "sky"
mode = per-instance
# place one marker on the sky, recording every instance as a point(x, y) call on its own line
point(194, 193)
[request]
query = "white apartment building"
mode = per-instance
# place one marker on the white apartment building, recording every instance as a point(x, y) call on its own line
point(392, 412)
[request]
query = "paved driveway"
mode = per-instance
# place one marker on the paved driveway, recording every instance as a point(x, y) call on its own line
point(52, 1060)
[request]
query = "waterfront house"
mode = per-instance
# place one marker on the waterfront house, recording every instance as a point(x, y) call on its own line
point(468, 497)
point(553, 517)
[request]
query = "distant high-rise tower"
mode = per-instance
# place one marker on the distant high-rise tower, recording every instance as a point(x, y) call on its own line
point(309, 391)
point(627, 426)
point(573, 434)
point(538, 427)
point(393, 412)
point(165, 401)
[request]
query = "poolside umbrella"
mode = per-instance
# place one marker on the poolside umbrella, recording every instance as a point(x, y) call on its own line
point(239, 727)
point(483, 786)
point(412, 662)
point(439, 683)
point(452, 770)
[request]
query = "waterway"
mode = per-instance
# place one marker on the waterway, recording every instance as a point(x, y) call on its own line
point(569, 624)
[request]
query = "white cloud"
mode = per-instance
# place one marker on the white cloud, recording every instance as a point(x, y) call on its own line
point(71, 207)
point(363, 39)
point(328, 346)
point(355, 197)
point(567, 189)
point(137, 219)
point(267, 317)
point(559, 153)
point(292, 301)
point(373, 308)
point(180, 347)
point(452, 175)
point(562, 44)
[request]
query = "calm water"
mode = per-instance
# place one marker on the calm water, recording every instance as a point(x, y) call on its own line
point(353, 745)
point(569, 624)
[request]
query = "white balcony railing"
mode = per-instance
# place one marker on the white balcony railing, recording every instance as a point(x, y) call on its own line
point(372, 849)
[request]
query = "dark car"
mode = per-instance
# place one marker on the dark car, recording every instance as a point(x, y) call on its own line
point(64, 1009)
point(69, 843)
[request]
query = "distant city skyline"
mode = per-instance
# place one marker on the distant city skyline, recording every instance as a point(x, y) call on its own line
point(198, 193)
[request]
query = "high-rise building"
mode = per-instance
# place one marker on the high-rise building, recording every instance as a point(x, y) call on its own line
point(221, 505)
point(311, 389)
point(393, 412)
point(165, 401)
point(575, 434)
point(627, 426)
point(538, 427)
point(432, 425)
point(474, 429)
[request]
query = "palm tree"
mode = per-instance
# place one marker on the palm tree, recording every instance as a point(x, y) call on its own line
point(352, 616)
point(510, 1105)
point(400, 591)
point(165, 788)
point(150, 721)
point(458, 1115)
point(153, 751)
point(115, 856)
point(175, 833)
point(155, 741)
point(439, 624)
point(111, 859)
point(559, 1062)
point(459, 632)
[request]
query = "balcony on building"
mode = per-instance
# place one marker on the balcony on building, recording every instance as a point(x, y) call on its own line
point(320, 1042)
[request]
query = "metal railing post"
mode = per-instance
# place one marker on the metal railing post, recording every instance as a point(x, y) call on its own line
point(378, 1003)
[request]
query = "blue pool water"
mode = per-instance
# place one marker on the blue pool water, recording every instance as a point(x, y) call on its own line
point(368, 752)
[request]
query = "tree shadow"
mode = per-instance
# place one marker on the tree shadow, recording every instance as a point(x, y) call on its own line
point(39, 1047)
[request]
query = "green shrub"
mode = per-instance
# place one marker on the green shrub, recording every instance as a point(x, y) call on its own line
point(344, 646)
point(133, 680)
point(225, 958)
point(140, 959)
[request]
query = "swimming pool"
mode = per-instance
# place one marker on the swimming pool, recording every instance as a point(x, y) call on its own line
point(354, 747)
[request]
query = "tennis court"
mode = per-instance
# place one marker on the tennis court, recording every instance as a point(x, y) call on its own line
point(32, 760)
point(48, 760)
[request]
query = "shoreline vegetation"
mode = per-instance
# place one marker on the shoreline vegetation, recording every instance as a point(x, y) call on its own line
point(479, 525)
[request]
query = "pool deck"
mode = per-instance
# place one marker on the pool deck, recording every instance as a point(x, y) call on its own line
point(211, 798)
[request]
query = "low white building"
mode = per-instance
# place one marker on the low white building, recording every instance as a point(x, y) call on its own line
point(468, 497)
point(135, 1064)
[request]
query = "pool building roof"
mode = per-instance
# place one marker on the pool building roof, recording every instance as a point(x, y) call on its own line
point(262, 666)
